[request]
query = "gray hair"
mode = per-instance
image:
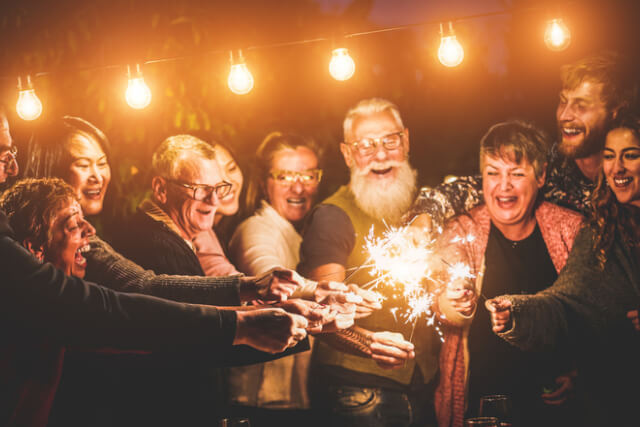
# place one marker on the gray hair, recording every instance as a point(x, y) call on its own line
point(167, 160)
point(367, 107)
point(516, 140)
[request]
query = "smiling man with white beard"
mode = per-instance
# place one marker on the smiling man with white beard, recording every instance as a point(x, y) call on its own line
point(391, 382)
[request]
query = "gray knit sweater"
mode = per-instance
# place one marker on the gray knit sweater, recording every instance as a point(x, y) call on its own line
point(108, 268)
point(586, 309)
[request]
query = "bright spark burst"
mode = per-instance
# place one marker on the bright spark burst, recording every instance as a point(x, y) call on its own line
point(459, 271)
point(401, 263)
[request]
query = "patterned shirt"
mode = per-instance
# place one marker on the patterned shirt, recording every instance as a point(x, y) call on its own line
point(565, 185)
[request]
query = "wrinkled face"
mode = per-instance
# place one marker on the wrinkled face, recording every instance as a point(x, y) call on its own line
point(621, 165)
point(190, 215)
point(582, 117)
point(292, 199)
point(69, 239)
point(381, 165)
point(510, 190)
point(89, 172)
point(8, 162)
point(231, 172)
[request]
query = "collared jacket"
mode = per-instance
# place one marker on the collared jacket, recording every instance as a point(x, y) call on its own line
point(558, 227)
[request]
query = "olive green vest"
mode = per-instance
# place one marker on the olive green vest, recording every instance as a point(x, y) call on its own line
point(425, 341)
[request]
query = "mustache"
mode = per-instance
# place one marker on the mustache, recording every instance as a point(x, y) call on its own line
point(377, 165)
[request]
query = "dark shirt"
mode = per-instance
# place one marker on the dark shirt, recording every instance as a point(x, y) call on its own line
point(496, 367)
point(329, 240)
point(587, 307)
point(151, 244)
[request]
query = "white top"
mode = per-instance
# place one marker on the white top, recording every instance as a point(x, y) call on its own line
point(261, 242)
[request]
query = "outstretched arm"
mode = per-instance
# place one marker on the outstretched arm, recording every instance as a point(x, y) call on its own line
point(111, 269)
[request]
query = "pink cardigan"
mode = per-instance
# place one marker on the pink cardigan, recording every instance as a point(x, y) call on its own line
point(559, 227)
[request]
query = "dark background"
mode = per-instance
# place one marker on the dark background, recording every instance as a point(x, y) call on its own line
point(73, 44)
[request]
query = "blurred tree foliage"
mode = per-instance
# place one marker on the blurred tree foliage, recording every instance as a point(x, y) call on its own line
point(85, 47)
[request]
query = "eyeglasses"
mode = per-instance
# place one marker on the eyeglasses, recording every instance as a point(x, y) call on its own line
point(309, 177)
point(202, 191)
point(10, 156)
point(367, 146)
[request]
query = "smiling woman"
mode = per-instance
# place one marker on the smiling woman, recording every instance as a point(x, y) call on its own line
point(519, 245)
point(281, 192)
point(77, 151)
point(48, 220)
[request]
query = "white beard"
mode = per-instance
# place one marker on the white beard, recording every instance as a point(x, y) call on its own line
point(384, 199)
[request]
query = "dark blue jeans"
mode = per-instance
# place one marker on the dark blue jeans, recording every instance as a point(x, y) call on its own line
point(342, 406)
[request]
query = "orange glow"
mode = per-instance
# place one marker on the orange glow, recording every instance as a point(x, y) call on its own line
point(557, 35)
point(28, 106)
point(341, 66)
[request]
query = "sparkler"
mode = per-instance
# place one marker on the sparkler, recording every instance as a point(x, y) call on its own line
point(401, 264)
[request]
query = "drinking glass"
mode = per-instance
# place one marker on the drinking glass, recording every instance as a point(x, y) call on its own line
point(498, 406)
point(234, 422)
point(481, 422)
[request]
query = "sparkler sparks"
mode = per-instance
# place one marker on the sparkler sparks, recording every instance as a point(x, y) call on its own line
point(401, 264)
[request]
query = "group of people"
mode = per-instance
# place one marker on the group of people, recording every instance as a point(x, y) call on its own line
point(275, 323)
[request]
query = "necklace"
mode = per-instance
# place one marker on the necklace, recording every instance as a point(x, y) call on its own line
point(514, 243)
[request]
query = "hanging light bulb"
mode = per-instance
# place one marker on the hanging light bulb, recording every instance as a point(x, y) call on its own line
point(138, 94)
point(341, 66)
point(240, 80)
point(450, 52)
point(28, 106)
point(557, 35)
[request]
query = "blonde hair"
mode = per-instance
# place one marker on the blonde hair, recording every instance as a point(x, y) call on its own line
point(367, 107)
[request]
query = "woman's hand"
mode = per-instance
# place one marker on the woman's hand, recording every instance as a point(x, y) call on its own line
point(500, 310)
point(462, 299)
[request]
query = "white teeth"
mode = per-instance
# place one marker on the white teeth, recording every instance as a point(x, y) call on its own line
point(296, 201)
point(622, 181)
point(571, 131)
point(506, 199)
point(85, 248)
point(93, 192)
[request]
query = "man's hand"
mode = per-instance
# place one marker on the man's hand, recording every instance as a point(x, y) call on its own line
point(462, 299)
point(390, 350)
point(500, 310)
point(272, 330)
point(635, 320)
point(277, 284)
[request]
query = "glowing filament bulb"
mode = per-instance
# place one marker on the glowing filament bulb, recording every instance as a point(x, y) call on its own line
point(28, 106)
point(138, 94)
point(450, 52)
point(240, 80)
point(557, 35)
point(341, 66)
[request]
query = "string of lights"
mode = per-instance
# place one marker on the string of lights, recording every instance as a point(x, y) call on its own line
point(342, 67)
